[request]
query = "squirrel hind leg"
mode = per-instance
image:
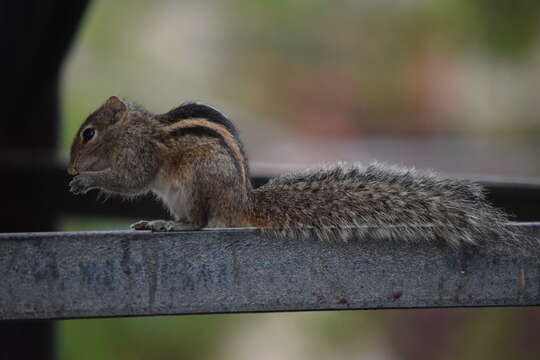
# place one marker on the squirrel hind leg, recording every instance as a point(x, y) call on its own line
point(164, 225)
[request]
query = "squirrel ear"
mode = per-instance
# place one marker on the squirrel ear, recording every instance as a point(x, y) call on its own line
point(115, 104)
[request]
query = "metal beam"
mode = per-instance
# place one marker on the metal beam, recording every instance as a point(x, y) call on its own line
point(106, 274)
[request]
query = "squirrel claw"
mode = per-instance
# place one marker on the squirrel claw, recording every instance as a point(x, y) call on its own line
point(79, 185)
point(153, 225)
point(140, 225)
point(162, 225)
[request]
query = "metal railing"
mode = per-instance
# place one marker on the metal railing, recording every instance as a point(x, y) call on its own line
point(107, 274)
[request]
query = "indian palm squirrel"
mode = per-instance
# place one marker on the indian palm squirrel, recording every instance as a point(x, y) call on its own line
point(192, 159)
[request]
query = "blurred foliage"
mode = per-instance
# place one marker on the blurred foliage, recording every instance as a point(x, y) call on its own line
point(507, 29)
point(218, 336)
point(181, 337)
point(352, 68)
point(73, 223)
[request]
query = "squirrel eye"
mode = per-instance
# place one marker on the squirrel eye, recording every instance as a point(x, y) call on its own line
point(88, 134)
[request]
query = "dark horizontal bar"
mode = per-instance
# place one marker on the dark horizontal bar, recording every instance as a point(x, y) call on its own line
point(106, 274)
point(53, 181)
point(518, 199)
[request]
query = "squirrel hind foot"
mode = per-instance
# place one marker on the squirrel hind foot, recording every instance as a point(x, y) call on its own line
point(163, 226)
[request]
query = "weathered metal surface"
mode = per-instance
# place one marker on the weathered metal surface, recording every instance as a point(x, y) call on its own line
point(103, 274)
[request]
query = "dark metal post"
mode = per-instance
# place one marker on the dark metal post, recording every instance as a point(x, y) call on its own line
point(35, 38)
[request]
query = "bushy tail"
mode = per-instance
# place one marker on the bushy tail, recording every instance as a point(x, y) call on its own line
point(341, 202)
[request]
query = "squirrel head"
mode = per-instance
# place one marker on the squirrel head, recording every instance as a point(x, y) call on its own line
point(90, 149)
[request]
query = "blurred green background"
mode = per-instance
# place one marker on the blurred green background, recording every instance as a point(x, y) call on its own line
point(309, 81)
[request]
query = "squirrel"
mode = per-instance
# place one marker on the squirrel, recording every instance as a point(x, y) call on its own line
point(192, 159)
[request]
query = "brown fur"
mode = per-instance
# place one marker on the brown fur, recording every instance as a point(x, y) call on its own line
point(191, 164)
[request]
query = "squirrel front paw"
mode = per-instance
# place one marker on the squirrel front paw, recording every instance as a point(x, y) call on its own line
point(162, 225)
point(81, 184)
